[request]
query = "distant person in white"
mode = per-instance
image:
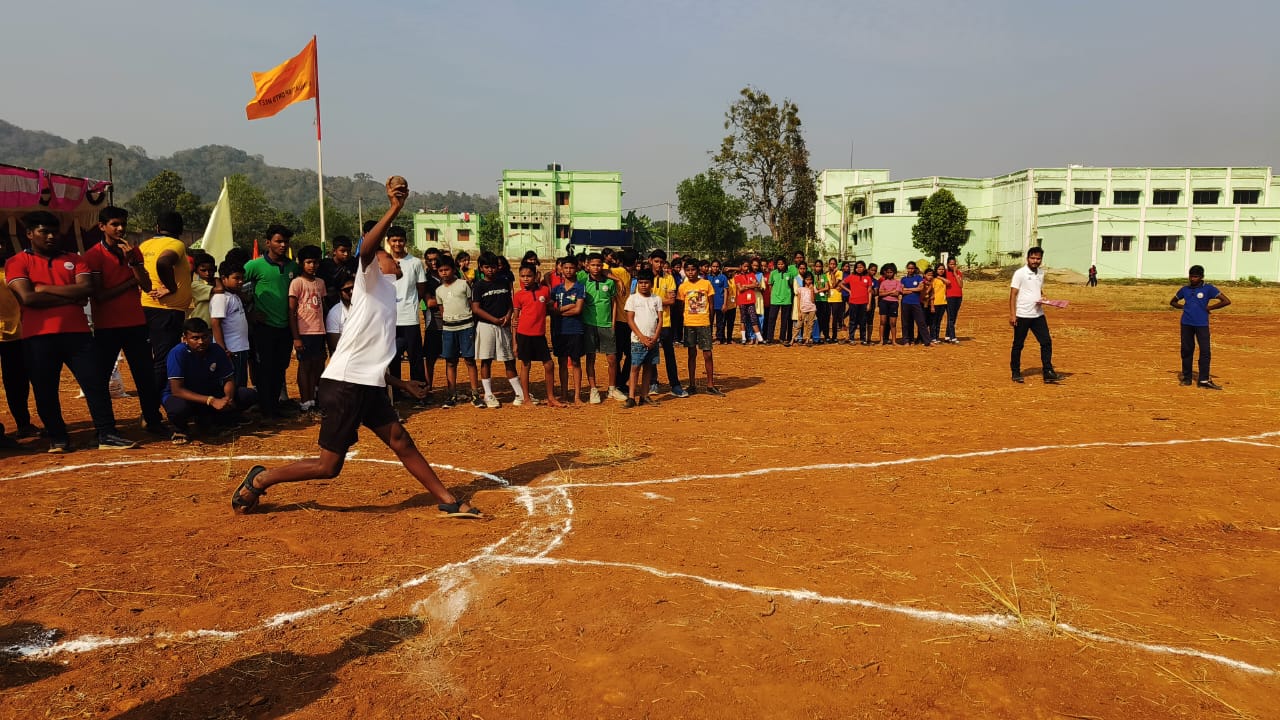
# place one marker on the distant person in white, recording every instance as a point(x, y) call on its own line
point(1026, 292)
point(353, 388)
point(337, 317)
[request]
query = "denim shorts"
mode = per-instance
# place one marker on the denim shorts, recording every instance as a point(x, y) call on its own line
point(641, 355)
point(458, 343)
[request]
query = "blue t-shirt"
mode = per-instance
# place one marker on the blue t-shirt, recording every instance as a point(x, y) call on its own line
point(719, 283)
point(1195, 311)
point(203, 374)
point(910, 282)
point(565, 297)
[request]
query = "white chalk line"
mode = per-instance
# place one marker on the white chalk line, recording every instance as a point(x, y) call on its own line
point(987, 621)
point(549, 495)
point(909, 461)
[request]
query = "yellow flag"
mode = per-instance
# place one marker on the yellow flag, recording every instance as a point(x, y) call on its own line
point(293, 81)
point(217, 234)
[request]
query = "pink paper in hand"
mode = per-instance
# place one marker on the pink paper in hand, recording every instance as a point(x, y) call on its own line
point(1054, 303)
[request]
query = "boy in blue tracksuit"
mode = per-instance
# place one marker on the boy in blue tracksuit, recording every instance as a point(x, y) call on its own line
point(1196, 300)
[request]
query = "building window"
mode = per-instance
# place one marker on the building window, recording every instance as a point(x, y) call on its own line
point(1165, 197)
point(1088, 197)
point(858, 207)
point(562, 232)
point(515, 226)
point(1116, 243)
point(562, 198)
point(916, 204)
point(1205, 197)
point(1245, 197)
point(535, 226)
point(1162, 243)
point(1256, 243)
point(512, 192)
point(464, 236)
point(1210, 243)
point(1048, 197)
point(1126, 197)
point(886, 207)
point(433, 236)
point(524, 193)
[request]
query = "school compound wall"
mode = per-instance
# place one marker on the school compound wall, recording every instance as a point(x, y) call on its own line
point(1129, 222)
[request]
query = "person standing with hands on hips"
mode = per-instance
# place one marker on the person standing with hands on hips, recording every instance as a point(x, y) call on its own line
point(1026, 293)
point(1196, 300)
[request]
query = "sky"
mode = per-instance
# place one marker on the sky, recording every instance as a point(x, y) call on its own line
point(449, 94)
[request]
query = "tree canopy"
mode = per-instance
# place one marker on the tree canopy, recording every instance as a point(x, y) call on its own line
point(940, 225)
point(712, 217)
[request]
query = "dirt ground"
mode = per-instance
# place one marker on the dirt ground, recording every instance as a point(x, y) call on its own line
point(852, 533)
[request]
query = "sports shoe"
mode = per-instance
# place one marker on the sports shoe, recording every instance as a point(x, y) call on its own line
point(111, 441)
point(653, 389)
point(57, 447)
point(713, 390)
point(679, 392)
point(449, 401)
point(1184, 381)
point(28, 431)
point(616, 394)
point(1052, 377)
point(518, 402)
point(477, 401)
point(491, 402)
point(629, 403)
point(595, 397)
point(1209, 385)
point(1017, 377)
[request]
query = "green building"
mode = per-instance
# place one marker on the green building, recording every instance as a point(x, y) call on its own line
point(453, 232)
point(540, 209)
point(1129, 222)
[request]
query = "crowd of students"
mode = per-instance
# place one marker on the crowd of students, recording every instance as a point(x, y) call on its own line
point(206, 340)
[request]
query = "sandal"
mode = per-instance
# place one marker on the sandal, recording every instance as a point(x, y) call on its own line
point(243, 506)
point(179, 438)
point(454, 510)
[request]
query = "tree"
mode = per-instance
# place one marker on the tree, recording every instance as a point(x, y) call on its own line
point(765, 157)
point(159, 195)
point(711, 216)
point(336, 222)
point(250, 211)
point(940, 225)
point(490, 239)
point(641, 229)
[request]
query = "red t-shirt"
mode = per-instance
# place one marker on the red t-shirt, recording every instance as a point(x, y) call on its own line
point(745, 296)
point(955, 289)
point(532, 305)
point(859, 288)
point(125, 309)
point(40, 270)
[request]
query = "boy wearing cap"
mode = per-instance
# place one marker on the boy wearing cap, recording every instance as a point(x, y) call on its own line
point(1196, 300)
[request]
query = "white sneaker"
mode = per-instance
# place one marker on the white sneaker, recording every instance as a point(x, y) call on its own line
point(518, 402)
point(616, 394)
point(595, 397)
point(491, 401)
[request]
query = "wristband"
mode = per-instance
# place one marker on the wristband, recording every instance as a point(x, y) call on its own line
point(209, 401)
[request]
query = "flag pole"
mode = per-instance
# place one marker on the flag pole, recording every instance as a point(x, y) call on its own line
point(319, 151)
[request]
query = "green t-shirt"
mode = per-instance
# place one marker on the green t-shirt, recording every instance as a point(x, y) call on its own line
point(271, 288)
point(598, 309)
point(780, 287)
point(819, 280)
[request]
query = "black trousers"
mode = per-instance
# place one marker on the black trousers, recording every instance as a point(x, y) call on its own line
point(837, 317)
point(858, 322)
point(46, 355)
point(778, 316)
point(1191, 336)
point(953, 309)
point(913, 322)
point(824, 319)
point(622, 346)
point(164, 332)
point(666, 338)
point(1039, 327)
point(408, 344)
point(272, 349)
point(135, 343)
point(935, 320)
point(724, 324)
point(17, 384)
point(182, 412)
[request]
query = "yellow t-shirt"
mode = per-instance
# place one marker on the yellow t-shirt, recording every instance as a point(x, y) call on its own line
point(10, 312)
point(662, 287)
point(730, 295)
point(151, 251)
point(622, 279)
point(835, 278)
point(939, 292)
point(696, 296)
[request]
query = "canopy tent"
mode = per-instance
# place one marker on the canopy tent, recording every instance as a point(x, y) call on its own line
point(75, 201)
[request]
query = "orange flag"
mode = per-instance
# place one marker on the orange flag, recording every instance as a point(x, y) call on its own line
point(293, 81)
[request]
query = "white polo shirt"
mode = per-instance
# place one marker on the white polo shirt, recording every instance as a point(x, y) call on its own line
point(1030, 287)
point(364, 352)
point(412, 272)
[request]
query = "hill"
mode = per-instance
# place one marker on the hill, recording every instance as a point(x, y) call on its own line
point(202, 170)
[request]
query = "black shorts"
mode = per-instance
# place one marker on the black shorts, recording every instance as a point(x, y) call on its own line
point(346, 407)
point(532, 348)
point(568, 346)
point(888, 308)
point(313, 346)
point(432, 343)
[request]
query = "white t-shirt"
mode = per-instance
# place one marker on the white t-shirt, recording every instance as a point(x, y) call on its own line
point(1030, 286)
point(235, 326)
point(336, 318)
point(412, 272)
point(362, 355)
point(647, 311)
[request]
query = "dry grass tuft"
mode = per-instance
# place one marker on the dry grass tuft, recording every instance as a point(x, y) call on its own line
point(618, 448)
